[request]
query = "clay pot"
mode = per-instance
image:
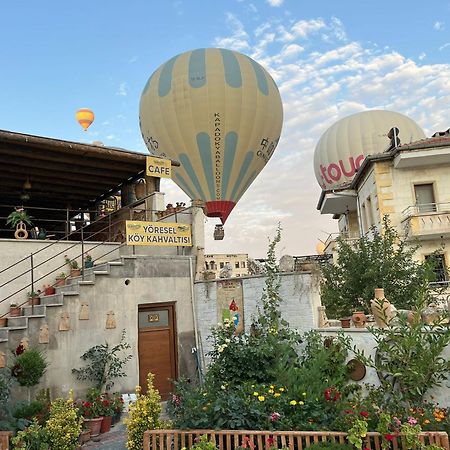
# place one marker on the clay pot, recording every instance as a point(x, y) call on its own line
point(381, 309)
point(60, 281)
point(15, 311)
point(85, 436)
point(106, 424)
point(345, 322)
point(94, 425)
point(49, 290)
point(35, 300)
point(359, 319)
point(3, 321)
point(75, 273)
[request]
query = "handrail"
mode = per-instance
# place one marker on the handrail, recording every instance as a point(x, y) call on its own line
point(425, 208)
point(130, 207)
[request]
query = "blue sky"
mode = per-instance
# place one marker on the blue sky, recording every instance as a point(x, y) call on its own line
point(330, 59)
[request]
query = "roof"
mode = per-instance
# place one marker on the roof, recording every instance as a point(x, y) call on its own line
point(62, 173)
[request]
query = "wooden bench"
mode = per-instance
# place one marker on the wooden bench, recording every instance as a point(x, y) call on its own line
point(4, 439)
point(262, 440)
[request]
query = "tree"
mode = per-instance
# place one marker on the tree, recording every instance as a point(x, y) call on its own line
point(385, 261)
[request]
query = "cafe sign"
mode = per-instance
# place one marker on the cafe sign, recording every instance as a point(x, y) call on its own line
point(165, 234)
point(158, 167)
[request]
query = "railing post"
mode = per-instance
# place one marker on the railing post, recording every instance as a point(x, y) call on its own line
point(32, 282)
point(82, 250)
point(67, 224)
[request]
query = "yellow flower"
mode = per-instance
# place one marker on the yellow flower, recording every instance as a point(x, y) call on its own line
point(277, 394)
point(281, 389)
point(255, 394)
point(301, 403)
point(304, 394)
point(272, 386)
point(261, 398)
point(270, 391)
point(293, 402)
point(426, 421)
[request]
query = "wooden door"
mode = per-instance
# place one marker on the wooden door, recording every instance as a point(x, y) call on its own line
point(157, 347)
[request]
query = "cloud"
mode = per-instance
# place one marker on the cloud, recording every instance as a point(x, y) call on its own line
point(275, 3)
point(422, 56)
point(439, 26)
point(320, 82)
point(123, 89)
point(443, 47)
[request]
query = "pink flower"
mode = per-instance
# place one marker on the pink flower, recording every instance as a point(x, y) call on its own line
point(412, 421)
point(274, 416)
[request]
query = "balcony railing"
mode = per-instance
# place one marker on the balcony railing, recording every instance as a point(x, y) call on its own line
point(427, 220)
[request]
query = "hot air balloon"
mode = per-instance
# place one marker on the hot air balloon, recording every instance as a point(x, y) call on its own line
point(84, 117)
point(220, 114)
point(344, 146)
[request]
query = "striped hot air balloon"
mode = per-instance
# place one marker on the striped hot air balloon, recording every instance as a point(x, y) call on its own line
point(85, 117)
point(220, 114)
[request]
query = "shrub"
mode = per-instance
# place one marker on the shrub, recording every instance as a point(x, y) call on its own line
point(330, 446)
point(104, 364)
point(29, 410)
point(29, 366)
point(34, 437)
point(143, 414)
point(64, 425)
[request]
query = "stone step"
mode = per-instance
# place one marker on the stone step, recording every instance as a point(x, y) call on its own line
point(101, 272)
point(14, 322)
point(52, 300)
point(37, 310)
point(86, 283)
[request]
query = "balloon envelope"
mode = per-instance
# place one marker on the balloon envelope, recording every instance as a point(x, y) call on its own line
point(220, 114)
point(84, 117)
point(344, 146)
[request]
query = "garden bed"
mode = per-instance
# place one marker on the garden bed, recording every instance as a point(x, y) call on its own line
point(262, 440)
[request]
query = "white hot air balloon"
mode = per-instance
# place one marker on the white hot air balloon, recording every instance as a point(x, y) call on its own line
point(219, 113)
point(344, 146)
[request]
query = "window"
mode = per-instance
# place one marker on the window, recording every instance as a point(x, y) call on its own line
point(243, 265)
point(440, 268)
point(212, 265)
point(221, 265)
point(369, 212)
point(207, 265)
point(236, 265)
point(424, 194)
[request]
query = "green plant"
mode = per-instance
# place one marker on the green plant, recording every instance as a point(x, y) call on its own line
point(34, 437)
point(409, 358)
point(28, 410)
point(384, 261)
point(104, 364)
point(72, 263)
point(64, 425)
point(61, 275)
point(19, 215)
point(203, 443)
point(330, 446)
point(29, 366)
point(357, 432)
point(143, 414)
point(32, 294)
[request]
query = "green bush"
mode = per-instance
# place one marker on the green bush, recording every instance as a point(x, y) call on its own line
point(29, 366)
point(29, 410)
point(330, 446)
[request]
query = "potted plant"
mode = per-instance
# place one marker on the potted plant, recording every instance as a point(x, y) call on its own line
point(88, 261)
point(14, 310)
point(107, 411)
point(91, 409)
point(61, 279)
point(118, 407)
point(75, 271)
point(49, 289)
point(18, 219)
point(33, 298)
point(3, 321)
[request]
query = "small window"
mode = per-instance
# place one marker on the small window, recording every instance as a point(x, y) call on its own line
point(207, 265)
point(425, 201)
point(236, 265)
point(440, 268)
point(243, 264)
point(222, 265)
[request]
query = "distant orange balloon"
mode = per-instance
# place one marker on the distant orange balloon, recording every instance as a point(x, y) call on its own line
point(85, 117)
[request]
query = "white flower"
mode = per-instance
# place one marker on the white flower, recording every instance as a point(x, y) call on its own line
point(227, 341)
point(223, 387)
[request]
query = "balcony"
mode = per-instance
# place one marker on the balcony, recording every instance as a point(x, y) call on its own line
point(427, 221)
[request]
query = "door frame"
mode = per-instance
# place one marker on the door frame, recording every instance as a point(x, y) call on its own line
point(154, 306)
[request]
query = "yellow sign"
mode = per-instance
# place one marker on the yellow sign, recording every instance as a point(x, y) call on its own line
point(158, 167)
point(158, 233)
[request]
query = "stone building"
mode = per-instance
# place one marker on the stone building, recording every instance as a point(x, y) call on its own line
point(231, 265)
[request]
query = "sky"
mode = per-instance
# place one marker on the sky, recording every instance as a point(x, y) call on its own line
point(329, 59)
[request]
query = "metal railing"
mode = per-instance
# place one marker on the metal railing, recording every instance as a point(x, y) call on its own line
point(426, 208)
point(82, 234)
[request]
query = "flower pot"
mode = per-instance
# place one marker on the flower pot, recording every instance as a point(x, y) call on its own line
point(94, 425)
point(60, 281)
point(116, 417)
point(33, 301)
point(359, 319)
point(50, 290)
point(75, 273)
point(3, 321)
point(345, 322)
point(14, 311)
point(106, 424)
point(85, 436)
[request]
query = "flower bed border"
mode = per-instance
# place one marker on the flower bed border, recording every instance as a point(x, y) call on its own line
point(227, 439)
